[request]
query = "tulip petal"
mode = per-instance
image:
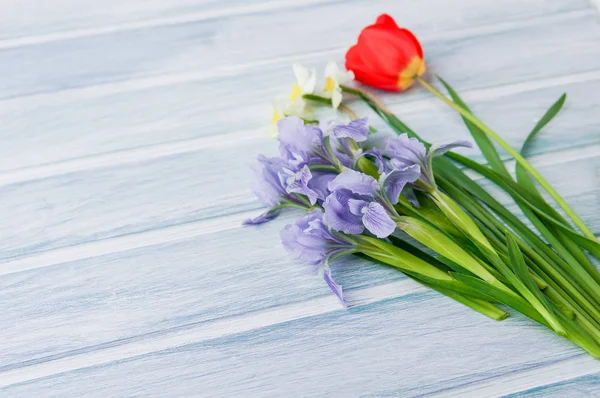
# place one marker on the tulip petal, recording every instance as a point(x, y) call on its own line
point(386, 56)
point(385, 19)
point(365, 75)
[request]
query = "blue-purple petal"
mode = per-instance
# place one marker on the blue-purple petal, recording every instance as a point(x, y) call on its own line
point(442, 149)
point(297, 139)
point(357, 206)
point(309, 239)
point(337, 213)
point(335, 288)
point(319, 182)
point(297, 182)
point(266, 184)
point(394, 182)
point(263, 218)
point(406, 151)
point(357, 129)
point(356, 182)
point(305, 242)
point(378, 221)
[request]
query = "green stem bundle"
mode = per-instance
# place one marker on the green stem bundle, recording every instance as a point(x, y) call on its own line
point(494, 253)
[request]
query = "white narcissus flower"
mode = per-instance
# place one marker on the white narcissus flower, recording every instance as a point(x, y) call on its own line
point(305, 81)
point(294, 104)
point(334, 77)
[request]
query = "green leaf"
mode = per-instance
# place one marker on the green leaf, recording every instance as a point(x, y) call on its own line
point(419, 253)
point(480, 305)
point(401, 259)
point(442, 244)
point(513, 301)
point(521, 285)
point(548, 116)
point(520, 269)
point(454, 289)
point(486, 146)
point(565, 247)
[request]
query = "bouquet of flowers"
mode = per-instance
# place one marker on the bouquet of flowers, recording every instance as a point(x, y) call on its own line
point(400, 201)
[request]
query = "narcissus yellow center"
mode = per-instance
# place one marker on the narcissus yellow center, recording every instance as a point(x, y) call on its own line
point(329, 84)
point(295, 93)
point(416, 67)
point(276, 117)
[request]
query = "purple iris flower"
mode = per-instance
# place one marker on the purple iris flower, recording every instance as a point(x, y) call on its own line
point(266, 184)
point(404, 151)
point(296, 181)
point(319, 184)
point(309, 160)
point(357, 129)
point(277, 183)
point(301, 144)
point(310, 240)
point(357, 201)
point(372, 148)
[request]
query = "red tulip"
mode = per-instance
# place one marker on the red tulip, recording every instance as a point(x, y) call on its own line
point(386, 56)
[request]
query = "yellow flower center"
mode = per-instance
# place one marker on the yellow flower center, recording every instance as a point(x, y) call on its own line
point(276, 117)
point(329, 84)
point(295, 93)
point(416, 67)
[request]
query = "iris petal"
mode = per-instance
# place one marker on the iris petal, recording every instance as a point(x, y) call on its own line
point(356, 182)
point(377, 221)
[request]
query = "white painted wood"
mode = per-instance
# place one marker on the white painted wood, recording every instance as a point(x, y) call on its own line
point(584, 386)
point(143, 110)
point(390, 348)
point(88, 16)
point(124, 269)
point(132, 113)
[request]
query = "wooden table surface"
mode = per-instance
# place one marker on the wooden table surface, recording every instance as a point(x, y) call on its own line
point(127, 129)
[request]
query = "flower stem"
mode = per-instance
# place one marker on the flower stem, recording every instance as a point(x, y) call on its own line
point(515, 154)
point(327, 101)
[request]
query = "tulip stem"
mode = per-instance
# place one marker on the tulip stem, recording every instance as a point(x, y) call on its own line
point(515, 154)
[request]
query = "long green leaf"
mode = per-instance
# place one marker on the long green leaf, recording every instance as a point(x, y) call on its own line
point(539, 258)
point(548, 116)
point(515, 302)
point(486, 146)
point(566, 247)
point(515, 154)
point(480, 305)
point(520, 269)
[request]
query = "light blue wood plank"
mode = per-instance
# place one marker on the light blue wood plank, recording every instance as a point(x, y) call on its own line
point(133, 300)
point(27, 19)
point(96, 120)
point(214, 43)
point(63, 16)
point(411, 346)
point(586, 386)
point(158, 288)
